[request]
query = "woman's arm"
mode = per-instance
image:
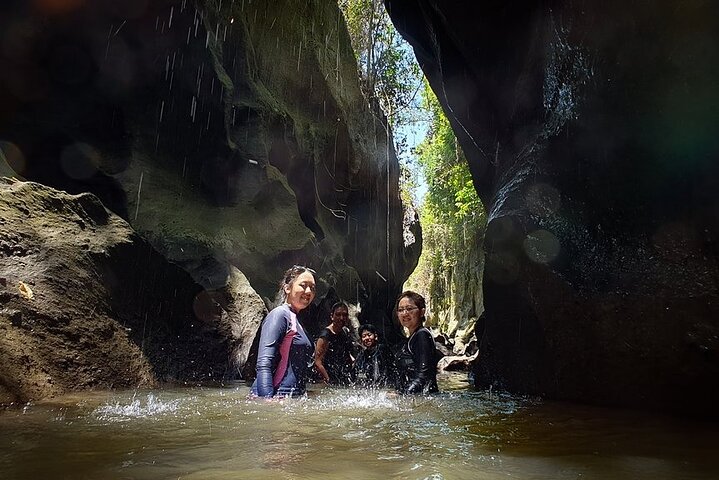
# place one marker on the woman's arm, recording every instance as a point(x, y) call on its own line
point(320, 351)
point(274, 329)
point(423, 354)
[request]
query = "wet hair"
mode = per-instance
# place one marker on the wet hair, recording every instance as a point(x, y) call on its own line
point(368, 327)
point(338, 305)
point(414, 297)
point(291, 275)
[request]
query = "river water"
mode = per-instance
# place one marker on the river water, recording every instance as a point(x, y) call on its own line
point(216, 433)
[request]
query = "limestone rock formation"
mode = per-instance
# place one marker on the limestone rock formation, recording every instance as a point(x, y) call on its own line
point(590, 128)
point(86, 303)
point(231, 135)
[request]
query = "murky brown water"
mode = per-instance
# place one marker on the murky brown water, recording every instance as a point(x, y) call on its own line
point(215, 433)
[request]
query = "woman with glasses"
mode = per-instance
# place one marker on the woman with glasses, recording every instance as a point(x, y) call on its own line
point(333, 354)
point(285, 349)
point(417, 359)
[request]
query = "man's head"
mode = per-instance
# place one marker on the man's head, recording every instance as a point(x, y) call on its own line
point(368, 335)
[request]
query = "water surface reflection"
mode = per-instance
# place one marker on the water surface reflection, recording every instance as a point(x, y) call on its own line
point(216, 433)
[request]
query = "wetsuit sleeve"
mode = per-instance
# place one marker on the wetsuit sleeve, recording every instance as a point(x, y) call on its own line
point(274, 329)
point(423, 354)
point(388, 367)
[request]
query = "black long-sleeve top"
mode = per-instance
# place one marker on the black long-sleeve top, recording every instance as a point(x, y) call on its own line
point(417, 364)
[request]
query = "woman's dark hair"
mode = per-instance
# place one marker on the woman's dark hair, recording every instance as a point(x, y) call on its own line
point(415, 298)
point(338, 305)
point(290, 275)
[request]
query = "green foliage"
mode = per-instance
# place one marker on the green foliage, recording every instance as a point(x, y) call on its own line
point(452, 216)
point(388, 69)
point(390, 78)
point(451, 198)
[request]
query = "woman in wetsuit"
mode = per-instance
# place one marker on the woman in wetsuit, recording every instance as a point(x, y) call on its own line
point(417, 359)
point(333, 354)
point(285, 349)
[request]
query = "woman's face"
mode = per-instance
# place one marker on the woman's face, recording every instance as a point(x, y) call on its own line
point(340, 317)
point(301, 291)
point(410, 317)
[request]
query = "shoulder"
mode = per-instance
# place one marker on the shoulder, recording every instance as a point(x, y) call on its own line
point(423, 335)
point(278, 315)
point(326, 333)
point(383, 349)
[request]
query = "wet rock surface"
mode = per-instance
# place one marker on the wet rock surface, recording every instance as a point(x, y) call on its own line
point(85, 303)
point(589, 131)
point(231, 135)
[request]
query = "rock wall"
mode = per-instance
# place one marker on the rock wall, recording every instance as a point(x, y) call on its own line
point(231, 135)
point(590, 132)
point(86, 303)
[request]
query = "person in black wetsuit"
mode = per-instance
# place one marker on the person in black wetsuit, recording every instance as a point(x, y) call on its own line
point(333, 353)
point(417, 359)
point(374, 366)
point(285, 349)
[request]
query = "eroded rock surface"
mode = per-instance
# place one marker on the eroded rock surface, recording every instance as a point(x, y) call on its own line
point(85, 303)
point(229, 134)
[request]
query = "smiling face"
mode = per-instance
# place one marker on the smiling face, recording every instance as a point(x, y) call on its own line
point(410, 316)
point(340, 316)
point(301, 291)
point(368, 339)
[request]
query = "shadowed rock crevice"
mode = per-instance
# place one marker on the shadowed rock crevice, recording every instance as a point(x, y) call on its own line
point(586, 127)
point(85, 303)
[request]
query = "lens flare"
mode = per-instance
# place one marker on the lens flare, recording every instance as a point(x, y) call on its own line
point(541, 246)
point(80, 161)
point(543, 199)
point(11, 156)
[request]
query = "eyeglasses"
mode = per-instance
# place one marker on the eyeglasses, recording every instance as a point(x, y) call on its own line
point(406, 309)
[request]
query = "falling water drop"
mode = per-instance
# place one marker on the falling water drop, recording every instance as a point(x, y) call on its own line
point(139, 189)
point(299, 55)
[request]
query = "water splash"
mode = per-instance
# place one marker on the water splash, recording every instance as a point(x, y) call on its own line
point(119, 412)
point(365, 399)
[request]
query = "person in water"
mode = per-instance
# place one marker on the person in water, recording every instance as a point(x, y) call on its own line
point(417, 358)
point(374, 366)
point(285, 349)
point(333, 353)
